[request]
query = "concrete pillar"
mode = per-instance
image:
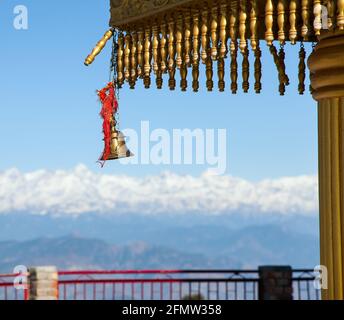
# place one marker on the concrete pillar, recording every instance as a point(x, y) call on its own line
point(43, 283)
point(327, 77)
point(275, 283)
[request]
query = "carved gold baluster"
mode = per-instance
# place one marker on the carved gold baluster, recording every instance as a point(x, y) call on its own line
point(163, 47)
point(302, 70)
point(195, 77)
point(317, 17)
point(234, 70)
point(205, 35)
point(187, 39)
point(305, 19)
point(253, 24)
point(209, 71)
point(179, 41)
point(183, 76)
point(196, 38)
point(331, 15)
point(269, 21)
point(171, 52)
point(183, 67)
point(147, 58)
point(155, 47)
point(258, 69)
point(159, 79)
point(283, 78)
point(127, 41)
point(242, 26)
point(278, 59)
point(214, 33)
point(159, 72)
point(340, 17)
point(233, 26)
point(245, 71)
point(99, 47)
point(196, 52)
point(172, 80)
point(140, 47)
point(171, 44)
point(223, 31)
point(292, 21)
point(281, 8)
point(120, 61)
point(221, 74)
point(133, 73)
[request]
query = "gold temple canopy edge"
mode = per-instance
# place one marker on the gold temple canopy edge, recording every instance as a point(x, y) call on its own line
point(156, 37)
point(263, 19)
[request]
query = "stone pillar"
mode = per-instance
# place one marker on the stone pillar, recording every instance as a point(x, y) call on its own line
point(43, 283)
point(327, 77)
point(275, 283)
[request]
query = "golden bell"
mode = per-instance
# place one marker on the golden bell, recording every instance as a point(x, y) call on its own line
point(119, 148)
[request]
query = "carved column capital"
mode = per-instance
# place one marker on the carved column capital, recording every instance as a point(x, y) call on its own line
point(326, 65)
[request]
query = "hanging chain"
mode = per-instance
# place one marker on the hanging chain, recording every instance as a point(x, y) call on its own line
point(113, 68)
point(113, 62)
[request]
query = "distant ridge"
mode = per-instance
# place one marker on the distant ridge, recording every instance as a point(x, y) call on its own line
point(72, 252)
point(164, 246)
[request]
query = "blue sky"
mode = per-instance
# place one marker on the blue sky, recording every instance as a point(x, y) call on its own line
point(49, 110)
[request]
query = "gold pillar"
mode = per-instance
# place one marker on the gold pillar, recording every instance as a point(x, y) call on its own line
point(327, 77)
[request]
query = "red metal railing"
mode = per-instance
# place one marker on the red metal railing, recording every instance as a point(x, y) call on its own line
point(174, 285)
point(158, 285)
point(162, 285)
point(10, 291)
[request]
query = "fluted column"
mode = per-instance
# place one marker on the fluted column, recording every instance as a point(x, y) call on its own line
point(327, 78)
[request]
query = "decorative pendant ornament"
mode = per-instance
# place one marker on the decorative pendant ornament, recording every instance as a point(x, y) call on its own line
point(109, 109)
point(114, 142)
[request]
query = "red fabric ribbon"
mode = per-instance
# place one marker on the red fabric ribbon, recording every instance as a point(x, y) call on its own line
point(109, 103)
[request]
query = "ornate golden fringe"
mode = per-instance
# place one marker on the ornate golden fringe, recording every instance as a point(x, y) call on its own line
point(187, 38)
